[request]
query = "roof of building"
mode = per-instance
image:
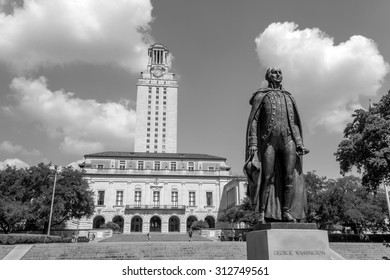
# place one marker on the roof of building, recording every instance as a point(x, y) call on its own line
point(115, 154)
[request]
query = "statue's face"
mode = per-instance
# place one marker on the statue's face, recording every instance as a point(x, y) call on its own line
point(275, 76)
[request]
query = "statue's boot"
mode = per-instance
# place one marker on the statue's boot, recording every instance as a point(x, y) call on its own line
point(264, 193)
point(288, 199)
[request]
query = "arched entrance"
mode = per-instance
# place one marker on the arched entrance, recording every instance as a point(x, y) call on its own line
point(119, 221)
point(174, 224)
point(211, 221)
point(136, 224)
point(155, 224)
point(190, 220)
point(98, 221)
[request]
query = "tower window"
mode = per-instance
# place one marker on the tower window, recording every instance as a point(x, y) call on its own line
point(100, 198)
point(191, 199)
point(209, 198)
point(119, 198)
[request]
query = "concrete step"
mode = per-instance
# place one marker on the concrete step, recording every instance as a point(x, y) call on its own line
point(140, 250)
point(155, 237)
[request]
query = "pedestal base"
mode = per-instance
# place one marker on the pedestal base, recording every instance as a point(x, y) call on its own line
point(284, 241)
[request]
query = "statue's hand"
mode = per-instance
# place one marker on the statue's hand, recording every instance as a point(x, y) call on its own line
point(252, 150)
point(301, 150)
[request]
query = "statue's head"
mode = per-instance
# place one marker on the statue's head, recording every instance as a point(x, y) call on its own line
point(274, 77)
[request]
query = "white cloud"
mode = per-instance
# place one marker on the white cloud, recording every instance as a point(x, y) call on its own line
point(13, 162)
point(327, 79)
point(58, 32)
point(9, 147)
point(82, 126)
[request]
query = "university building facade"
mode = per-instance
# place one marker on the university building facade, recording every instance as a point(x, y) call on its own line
point(154, 188)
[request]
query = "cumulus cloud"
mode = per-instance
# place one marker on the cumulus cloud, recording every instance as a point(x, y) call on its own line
point(82, 126)
point(327, 78)
point(9, 147)
point(13, 162)
point(58, 32)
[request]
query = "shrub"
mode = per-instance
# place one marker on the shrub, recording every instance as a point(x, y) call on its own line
point(378, 238)
point(111, 225)
point(10, 239)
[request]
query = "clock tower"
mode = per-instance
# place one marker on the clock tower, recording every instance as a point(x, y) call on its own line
point(156, 123)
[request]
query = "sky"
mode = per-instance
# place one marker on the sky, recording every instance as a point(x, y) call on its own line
point(69, 68)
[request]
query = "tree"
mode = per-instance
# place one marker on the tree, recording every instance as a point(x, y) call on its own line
point(367, 144)
point(243, 213)
point(346, 203)
point(33, 189)
point(315, 187)
point(14, 202)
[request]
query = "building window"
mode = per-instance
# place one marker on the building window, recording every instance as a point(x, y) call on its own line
point(191, 199)
point(149, 102)
point(156, 135)
point(149, 113)
point(100, 166)
point(164, 103)
point(119, 198)
point(149, 96)
point(155, 140)
point(157, 97)
point(163, 135)
point(209, 198)
point(191, 166)
point(141, 164)
point(156, 108)
point(165, 90)
point(150, 90)
point(211, 168)
point(174, 198)
point(148, 135)
point(173, 165)
point(147, 146)
point(156, 118)
point(122, 164)
point(156, 199)
point(149, 107)
point(100, 198)
point(164, 97)
point(164, 113)
point(156, 129)
point(148, 129)
point(147, 140)
point(157, 90)
point(163, 129)
point(148, 118)
point(157, 165)
point(156, 124)
point(164, 119)
point(148, 123)
point(155, 146)
point(137, 198)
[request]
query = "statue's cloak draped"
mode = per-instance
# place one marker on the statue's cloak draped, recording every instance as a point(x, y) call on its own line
point(253, 169)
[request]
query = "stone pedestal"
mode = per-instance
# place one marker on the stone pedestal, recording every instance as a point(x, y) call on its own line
point(288, 241)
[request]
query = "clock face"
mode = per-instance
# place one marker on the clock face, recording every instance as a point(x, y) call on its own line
point(158, 71)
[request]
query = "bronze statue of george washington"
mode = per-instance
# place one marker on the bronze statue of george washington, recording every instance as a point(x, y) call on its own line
point(274, 150)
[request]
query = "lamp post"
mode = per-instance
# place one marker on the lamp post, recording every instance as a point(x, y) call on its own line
point(52, 201)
